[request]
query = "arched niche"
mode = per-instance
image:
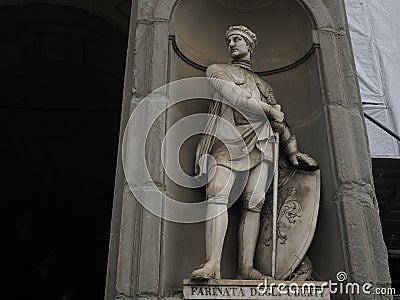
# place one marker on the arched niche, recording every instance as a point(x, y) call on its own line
point(285, 56)
point(288, 57)
point(283, 29)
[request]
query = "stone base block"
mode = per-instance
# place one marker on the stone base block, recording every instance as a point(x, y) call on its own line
point(255, 289)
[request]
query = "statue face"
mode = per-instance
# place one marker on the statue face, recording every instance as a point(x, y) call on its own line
point(237, 46)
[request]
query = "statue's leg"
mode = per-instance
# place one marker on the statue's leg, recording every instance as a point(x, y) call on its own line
point(253, 200)
point(218, 190)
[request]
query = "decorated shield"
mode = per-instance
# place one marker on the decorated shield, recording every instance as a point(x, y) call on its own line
point(298, 203)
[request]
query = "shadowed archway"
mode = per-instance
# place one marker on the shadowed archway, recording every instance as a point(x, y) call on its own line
point(61, 75)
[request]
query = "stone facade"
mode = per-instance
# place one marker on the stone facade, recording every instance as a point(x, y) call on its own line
point(144, 249)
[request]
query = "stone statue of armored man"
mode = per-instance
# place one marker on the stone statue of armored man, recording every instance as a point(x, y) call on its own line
point(248, 105)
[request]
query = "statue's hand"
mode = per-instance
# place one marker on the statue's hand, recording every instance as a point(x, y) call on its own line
point(278, 126)
point(303, 161)
point(275, 114)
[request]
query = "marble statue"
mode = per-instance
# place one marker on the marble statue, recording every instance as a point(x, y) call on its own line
point(250, 107)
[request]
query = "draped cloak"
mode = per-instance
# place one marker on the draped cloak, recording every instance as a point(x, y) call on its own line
point(249, 140)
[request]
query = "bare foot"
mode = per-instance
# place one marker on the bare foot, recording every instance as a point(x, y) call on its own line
point(205, 272)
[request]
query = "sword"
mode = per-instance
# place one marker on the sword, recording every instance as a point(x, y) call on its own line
point(275, 203)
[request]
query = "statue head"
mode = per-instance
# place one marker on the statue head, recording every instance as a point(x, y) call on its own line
point(241, 41)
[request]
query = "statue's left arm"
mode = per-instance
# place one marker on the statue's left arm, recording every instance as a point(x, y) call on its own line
point(290, 147)
point(288, 140)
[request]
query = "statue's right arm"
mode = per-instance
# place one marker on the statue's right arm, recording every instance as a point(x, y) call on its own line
point(238, 97)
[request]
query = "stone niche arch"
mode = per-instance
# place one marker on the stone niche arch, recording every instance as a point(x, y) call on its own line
point(304, 52)
point(288, 57)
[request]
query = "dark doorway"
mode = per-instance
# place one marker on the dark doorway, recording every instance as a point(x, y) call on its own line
point(386, 173)
point(62, 73)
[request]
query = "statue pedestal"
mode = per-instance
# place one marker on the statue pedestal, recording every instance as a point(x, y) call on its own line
point(255, 289)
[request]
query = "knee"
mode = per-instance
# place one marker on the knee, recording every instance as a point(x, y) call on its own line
point(217, 188)
point(217, 193)
point(254, 201)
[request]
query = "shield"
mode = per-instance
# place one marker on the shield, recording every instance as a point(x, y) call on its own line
point(298, 203)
